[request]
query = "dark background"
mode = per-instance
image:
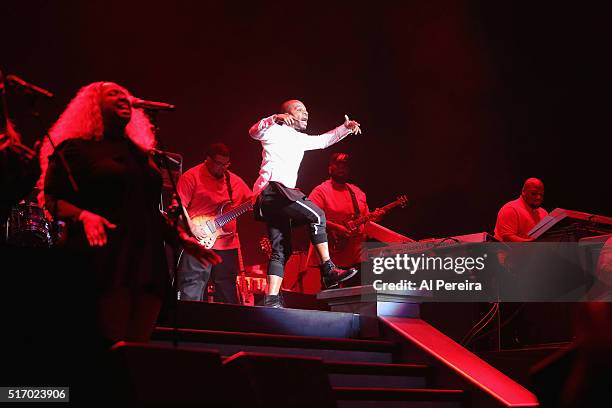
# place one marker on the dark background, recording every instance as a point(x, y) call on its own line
point(460, 101)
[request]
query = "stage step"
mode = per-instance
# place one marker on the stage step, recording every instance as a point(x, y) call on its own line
point(371, 375)
point(360, 397)
point(364, 384)
point(327, 348)
point(258, 319)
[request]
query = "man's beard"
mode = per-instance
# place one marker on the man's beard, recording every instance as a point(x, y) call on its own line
point(340, 179)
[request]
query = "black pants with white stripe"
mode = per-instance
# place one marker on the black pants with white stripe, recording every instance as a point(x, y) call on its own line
point(281, 208)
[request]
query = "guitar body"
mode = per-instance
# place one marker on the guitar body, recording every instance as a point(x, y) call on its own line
point(208, 229)
point(353, 223)
point(337, 242)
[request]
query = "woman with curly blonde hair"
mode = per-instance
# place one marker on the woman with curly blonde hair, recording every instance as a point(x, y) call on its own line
point(111, 206)
point(82, 119)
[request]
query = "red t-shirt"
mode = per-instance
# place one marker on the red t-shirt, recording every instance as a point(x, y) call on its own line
point(335, 200)
point(517, 218)
point(202, 194)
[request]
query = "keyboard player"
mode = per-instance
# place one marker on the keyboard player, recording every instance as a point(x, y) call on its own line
point(517, 217)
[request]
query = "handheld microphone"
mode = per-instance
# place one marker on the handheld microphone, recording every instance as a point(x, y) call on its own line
point(28, 86)
point(151, 105)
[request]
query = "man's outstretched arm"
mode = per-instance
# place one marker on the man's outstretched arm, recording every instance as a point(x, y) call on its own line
point(333, 136)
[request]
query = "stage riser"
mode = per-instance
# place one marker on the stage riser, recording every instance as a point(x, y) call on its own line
point(295, 322)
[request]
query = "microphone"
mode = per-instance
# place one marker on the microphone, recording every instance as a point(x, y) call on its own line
point(151, 105)
point(28, 86)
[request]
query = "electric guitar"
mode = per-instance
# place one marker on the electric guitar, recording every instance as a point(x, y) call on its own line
point(207, 229)
point(337, 242)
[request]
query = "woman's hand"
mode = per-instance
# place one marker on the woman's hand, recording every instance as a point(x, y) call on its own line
point(195, 249)
point(95, 227)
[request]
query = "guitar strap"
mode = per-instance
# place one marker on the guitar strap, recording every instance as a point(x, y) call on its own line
point(354, 199)
point(229, 186)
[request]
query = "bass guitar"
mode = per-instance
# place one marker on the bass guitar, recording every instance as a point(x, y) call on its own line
point(337, 242)
point(207, 229)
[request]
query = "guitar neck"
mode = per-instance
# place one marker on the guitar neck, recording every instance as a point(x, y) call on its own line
point(391, 205)
point(233, 213)
point(366, 218)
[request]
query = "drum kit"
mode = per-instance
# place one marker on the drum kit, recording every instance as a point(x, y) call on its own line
point(28, 226)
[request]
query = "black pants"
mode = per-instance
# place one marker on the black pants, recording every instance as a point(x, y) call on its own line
point(281, 208)
point(193, 277)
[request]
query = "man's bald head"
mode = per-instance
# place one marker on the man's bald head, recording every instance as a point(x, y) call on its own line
point(533, 192)
point(287, 105)
point(533, 182)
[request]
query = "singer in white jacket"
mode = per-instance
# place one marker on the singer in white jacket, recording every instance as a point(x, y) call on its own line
point(280, 204)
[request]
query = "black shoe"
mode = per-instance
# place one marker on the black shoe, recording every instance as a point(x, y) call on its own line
point(331, 275)
point(275, 301)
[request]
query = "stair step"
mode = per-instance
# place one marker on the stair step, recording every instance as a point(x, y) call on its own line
point(372, 375)
point(257, 319)
point(206, 336)
point(395, 394)
point(228, 343)
point(341, 367)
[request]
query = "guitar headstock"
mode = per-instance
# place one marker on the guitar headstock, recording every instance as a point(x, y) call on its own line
point(402, 200)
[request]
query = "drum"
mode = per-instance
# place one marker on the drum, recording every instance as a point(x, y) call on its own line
point(28, 226)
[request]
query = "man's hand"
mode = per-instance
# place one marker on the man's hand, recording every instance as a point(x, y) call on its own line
point(352, 125)
point(376, 215)
point(253, 199)
point(196, 230)
point(285, 118)
point(195, 249)
point(94, 226)
point(339, 229)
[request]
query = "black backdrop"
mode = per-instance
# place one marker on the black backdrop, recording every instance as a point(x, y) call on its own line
point(460, 101)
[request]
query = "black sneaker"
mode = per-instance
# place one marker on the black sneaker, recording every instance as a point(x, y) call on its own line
point(331, 275)
point(275, 301)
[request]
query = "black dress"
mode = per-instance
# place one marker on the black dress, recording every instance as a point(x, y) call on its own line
point(120, 182)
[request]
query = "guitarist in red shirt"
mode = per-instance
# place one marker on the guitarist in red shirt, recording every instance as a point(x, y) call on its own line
point(343, 201)
point(205, 190)
point(347, 213)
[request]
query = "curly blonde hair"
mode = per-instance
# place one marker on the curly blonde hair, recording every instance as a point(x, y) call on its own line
point(82, 119)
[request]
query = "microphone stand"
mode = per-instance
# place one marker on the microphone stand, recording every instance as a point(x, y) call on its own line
point(34, 96)
point(36, 115)
point(152, 114)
